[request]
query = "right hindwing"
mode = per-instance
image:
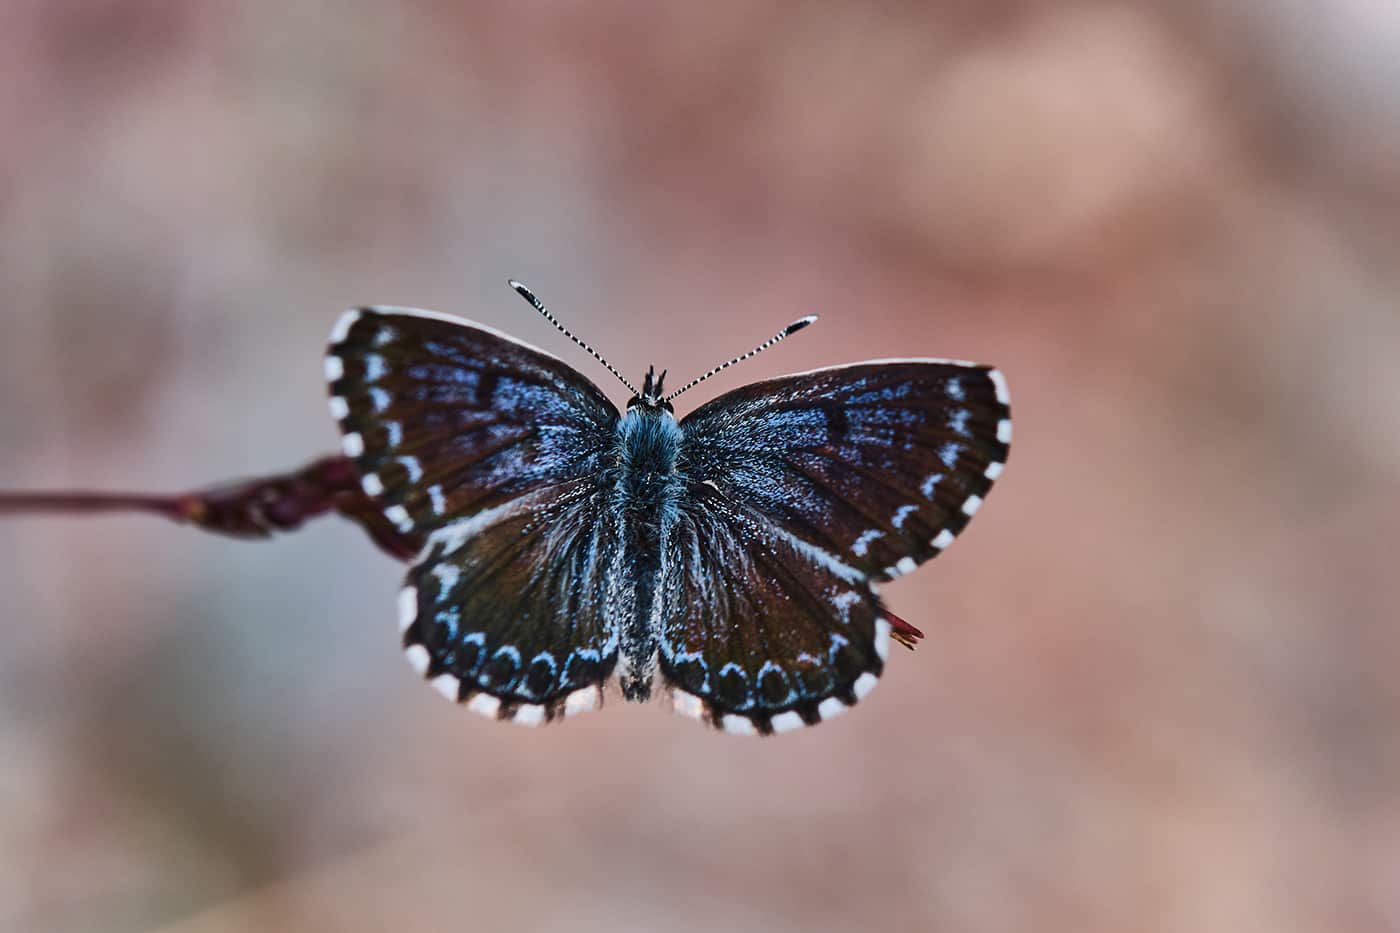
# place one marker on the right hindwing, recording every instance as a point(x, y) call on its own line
point(760, 631)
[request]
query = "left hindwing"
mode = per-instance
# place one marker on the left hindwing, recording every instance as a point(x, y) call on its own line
point(513, 618)
point(880, 464)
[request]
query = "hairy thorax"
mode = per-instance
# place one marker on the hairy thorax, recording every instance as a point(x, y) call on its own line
point(646, 491)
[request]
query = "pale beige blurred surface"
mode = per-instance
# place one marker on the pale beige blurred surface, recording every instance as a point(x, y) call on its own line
point(1158, 691)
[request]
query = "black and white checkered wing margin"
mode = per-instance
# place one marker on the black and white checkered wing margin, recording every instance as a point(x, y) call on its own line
point(493, 451)
point(804, 491)
point(445, 418)
point(880, 464)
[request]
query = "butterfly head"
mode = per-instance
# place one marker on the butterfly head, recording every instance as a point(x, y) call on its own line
point(652, 398)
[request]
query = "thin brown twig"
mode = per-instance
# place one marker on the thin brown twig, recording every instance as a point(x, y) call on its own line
point(253, 508)
point(13, 503)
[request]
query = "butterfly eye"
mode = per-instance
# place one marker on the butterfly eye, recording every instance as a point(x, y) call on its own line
point(653, 402)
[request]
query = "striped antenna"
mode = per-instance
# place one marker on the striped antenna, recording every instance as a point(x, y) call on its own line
point(539, 306)
point(788, 331)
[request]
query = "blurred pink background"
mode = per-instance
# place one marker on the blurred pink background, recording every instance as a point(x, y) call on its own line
point(1159, 687)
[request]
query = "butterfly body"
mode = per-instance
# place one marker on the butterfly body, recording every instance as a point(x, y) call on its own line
point(729, 557)
point(646, 491)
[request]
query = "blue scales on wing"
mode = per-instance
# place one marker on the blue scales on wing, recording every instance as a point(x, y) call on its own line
point(880, 464)
point(492, 450)
point(804, 490)
point(445, 418)
point(759, 631)
point(513, 619)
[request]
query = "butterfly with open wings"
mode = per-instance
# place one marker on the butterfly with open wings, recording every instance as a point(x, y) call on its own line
point(732, 554)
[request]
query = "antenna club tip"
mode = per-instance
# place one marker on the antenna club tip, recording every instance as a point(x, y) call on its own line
point(798, 324)
point(526, 294)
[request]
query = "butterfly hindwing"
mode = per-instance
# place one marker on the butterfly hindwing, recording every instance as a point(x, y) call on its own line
point(508, 613)
point(445, 418)
point(879, 463)
point(761, 632)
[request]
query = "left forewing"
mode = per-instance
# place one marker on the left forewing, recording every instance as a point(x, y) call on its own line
point(444, 418)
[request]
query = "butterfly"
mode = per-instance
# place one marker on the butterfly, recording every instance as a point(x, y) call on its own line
point(729, 558)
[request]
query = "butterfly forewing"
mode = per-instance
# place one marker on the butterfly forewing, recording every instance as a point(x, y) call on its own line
point(445, 418)
point(879, 463)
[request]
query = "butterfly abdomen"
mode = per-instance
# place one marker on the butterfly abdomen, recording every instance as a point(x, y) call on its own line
point(646, 492)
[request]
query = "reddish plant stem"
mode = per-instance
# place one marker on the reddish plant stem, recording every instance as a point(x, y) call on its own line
point(81, 502)
point(254, 508)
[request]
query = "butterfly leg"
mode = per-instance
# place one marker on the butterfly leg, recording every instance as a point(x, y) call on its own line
point(902, 632)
